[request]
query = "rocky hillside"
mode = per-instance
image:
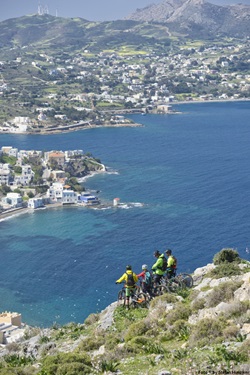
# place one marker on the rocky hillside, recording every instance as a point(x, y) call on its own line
point(201, 330)
point(198, 18)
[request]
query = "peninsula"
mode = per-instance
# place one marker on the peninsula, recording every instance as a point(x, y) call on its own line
point(31, 179)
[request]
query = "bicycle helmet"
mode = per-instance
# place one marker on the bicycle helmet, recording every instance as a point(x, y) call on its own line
point(168, 251)
point(157, 253)
point(129, 268)
point(144, 267)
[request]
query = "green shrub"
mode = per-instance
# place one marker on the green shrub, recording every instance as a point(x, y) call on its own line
point(181, 311)
point(15, 360)
point(198, 304)
point(52, 364)
point(108, 366)
point(123, 317)
point(228, 356)
point(111, 341)
point(74, 368)
point(231, 332)
point(245, 349)
point(225, 270)
point(226, 256)
point(223, 292)
point(154, 347)
point(44, 339)
point(207, 331)
point(91, 343)
point(138, 344)
point(16, 371)
point(141, 340)
point(181, 330)
point(136, 329)
point(180, 353)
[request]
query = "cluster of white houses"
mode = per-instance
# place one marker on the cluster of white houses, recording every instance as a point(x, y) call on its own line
point(58, 192)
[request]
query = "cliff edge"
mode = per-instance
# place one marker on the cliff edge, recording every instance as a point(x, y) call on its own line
point(205, 329)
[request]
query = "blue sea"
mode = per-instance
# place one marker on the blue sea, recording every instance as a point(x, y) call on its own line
point(186, 180)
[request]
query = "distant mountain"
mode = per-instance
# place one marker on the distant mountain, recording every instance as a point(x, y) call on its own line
point(148, 28)
point(198, 18)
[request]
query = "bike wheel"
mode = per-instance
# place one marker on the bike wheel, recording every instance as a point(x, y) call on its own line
point(141, 300)
point(174, 285)
point(159, 290)
point(121, 298)
point(186, 280)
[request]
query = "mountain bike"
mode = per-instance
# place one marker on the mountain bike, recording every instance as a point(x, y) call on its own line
point(178, 281)
point(160, 289)
point(186, 279)
point(174, 284)
point(136, 299)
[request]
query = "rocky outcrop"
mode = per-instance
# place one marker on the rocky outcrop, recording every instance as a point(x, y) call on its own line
point(221, 302)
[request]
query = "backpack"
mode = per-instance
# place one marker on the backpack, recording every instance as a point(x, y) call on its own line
point(175, 262)
point(130, 280)
point(148, 278)
point(164, 264)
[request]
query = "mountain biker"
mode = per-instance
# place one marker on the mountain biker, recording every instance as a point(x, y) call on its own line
point(172, 263)
point(157, 267)
point(146, 279)
point(130, 279)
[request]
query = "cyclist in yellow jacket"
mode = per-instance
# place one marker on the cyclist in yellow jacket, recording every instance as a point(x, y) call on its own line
point(172, 264)
point(130, 279)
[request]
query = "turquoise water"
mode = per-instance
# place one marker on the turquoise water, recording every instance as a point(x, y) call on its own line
point(189, 172)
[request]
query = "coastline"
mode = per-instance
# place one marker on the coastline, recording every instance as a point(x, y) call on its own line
point(74, 128)
point(24, 210)
point(13, 212)
point(210, 101)
point(77, 127)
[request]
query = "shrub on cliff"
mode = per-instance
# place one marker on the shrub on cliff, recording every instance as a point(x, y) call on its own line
point(225, 270)
point(207, 331)
point(226, 256)
point(67, 363)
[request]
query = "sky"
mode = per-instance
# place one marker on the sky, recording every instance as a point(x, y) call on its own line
point(92, 10)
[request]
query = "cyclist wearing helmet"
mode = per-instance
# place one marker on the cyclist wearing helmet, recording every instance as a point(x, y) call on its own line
point(157, 267)
point(172, 264)
point(130, 279)
point(146, 279)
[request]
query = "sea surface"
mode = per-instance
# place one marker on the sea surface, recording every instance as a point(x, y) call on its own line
point(184, 180)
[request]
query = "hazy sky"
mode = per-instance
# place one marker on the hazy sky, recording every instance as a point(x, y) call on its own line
point(92, 10)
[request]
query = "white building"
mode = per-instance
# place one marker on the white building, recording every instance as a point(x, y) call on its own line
point(35, 203)
point(55, 192)
point(69, 197)
point(26, 176)
point(13, 200)
point(58, 193)
point(5, 174)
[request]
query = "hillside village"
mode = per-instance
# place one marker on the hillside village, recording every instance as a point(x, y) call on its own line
point(72, 90)
point(34, 178)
